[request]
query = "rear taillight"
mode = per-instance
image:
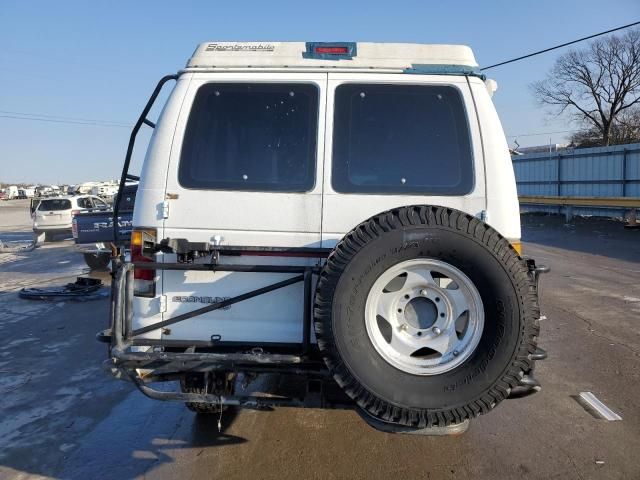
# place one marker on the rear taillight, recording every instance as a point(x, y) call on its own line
point(144, 279)
point(74, 228)
point(75, 212)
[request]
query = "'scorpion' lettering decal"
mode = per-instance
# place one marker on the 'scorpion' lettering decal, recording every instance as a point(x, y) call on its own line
point(199, 299)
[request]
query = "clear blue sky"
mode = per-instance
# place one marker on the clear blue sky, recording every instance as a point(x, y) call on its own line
point(100, 60)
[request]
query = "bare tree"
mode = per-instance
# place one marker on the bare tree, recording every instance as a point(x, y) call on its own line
point(625, 129)
point(595, 85)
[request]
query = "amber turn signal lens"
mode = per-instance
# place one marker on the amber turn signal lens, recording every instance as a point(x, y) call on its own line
point(517, 246)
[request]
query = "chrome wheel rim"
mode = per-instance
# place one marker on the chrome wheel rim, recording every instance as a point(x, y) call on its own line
point(424, 316)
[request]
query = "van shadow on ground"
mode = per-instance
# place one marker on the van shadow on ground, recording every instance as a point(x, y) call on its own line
point(140, 434)
point(591, 235)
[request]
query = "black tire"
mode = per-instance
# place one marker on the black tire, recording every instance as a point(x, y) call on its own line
point(501, 277)
point(217, 383)
point(97, 261)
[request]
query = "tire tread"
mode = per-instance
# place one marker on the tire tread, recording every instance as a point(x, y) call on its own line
point(478, 231)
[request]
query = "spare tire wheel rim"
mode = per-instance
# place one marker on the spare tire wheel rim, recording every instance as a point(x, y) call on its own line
point(424, 316)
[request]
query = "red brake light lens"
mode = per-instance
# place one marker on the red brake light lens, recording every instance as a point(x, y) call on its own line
point(332, 50)
point(144, 284)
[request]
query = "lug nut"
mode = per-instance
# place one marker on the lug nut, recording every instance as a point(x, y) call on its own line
point(436, 330)
point(456, 353)
point(423, 293)
point(403, 326)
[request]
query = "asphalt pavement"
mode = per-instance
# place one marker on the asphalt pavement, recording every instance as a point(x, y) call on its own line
point(62, 416)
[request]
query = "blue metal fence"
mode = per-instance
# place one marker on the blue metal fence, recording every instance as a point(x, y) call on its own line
point(587, 172)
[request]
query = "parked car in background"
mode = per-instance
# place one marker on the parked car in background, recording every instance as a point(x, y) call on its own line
point(43, 191)
point(12, 192)
point(52, 216)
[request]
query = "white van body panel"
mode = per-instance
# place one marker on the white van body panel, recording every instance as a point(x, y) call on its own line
point(317, 218)
point(150, 198)
point(503, 209)
point(242, 218)
point(153, 178)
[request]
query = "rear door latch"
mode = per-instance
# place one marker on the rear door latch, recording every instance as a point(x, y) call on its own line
point(163, 303)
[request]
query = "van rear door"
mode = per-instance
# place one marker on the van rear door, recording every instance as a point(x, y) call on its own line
point(399, 140)
point(246, 166)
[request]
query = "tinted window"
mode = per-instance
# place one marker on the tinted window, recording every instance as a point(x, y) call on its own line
point(85, 202)
point(401, 139)
point(53, 205)
point(257, 137)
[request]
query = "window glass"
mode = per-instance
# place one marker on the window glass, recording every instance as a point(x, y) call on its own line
point(54, 205)
point(84, 202)
point(99, 203)
point(251, 137)
point(401, 139)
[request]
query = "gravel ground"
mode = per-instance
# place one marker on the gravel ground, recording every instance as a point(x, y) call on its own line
point(61, 416)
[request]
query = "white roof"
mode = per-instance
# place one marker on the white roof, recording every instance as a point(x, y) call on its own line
point(290, 54)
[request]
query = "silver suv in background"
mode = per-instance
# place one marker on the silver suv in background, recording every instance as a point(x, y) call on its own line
point(53, 216)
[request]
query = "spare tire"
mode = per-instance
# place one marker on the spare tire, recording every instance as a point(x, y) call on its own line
point(426, 316)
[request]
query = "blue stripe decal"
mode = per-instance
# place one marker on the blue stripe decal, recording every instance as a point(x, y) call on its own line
point(443, 69)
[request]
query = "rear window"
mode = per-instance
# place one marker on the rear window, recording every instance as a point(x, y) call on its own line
point(401, 139)
point(54, 204)
point(251, 137)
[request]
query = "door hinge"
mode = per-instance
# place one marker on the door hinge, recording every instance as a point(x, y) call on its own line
point(163, 303)
point(165, 209)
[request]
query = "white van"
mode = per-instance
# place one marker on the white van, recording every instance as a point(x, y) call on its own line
point(338, 211)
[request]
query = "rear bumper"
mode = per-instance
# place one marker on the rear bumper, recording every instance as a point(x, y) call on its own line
point(165, 360)
point(143, 361)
